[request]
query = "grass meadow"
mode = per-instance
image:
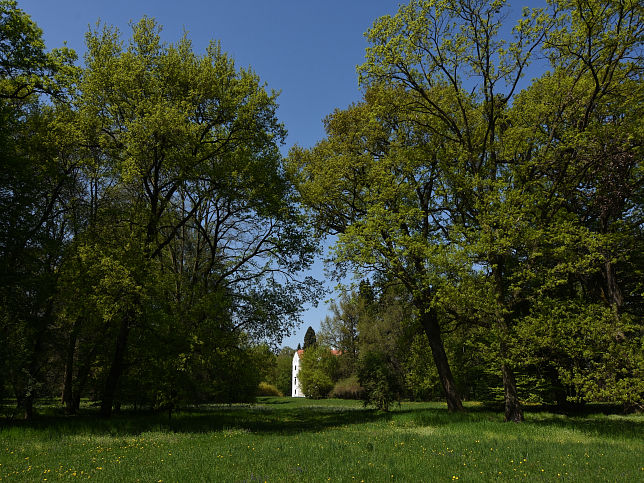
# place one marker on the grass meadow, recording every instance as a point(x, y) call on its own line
point(284, 439)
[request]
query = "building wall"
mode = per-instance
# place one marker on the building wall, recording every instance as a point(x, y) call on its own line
point(296, 390)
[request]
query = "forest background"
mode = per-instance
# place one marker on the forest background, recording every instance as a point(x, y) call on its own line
point(155, 235)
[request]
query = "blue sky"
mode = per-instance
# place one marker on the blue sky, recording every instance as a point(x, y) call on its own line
point(307, 50)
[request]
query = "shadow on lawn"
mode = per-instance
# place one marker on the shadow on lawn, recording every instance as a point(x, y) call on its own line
point(254, 419)
point(598, 420)
point(276, 417)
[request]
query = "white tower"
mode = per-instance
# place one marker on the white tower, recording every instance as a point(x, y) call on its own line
point(296, 390)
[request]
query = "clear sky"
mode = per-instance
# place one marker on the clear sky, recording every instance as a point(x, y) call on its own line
point(308, 50)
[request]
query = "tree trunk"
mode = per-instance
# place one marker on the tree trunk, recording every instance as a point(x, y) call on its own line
point(26, 405)
point(82, 375)
point(429, 322)
point(513, 411)
point(613, 292)
point(116, 369)
point(67, 397)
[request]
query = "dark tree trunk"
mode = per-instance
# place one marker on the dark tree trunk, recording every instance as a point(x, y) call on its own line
point(613, 292)
point(25, 405)
point(116, 369)
point(513, 411)
point(82, 375)
point(67, 396)
point(430, 325)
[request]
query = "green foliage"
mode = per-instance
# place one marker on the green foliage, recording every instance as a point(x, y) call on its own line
point(265, 360)
point(340, 331)
point(284, 371)
point(182, 151)
point(37, 188)
point(479, 198)
point(421, 377)
point(381, 381)
point(318, 371)
point(150, 230)
point(310, 339)
point(266, 389)
point(594, 353)
point(26, 67)
point(348, 388)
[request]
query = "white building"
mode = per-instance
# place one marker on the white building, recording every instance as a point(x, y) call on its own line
point(296, 390)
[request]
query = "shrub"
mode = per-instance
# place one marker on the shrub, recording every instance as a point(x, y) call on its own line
point(318, 371)
point(266, 389)
point(382, 384)
point(348, 388)
point(315, 383)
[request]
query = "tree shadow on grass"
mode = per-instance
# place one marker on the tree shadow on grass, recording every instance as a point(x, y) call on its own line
point(592, 420)
point(593, 424)
point(274, 416)
point(253, 419)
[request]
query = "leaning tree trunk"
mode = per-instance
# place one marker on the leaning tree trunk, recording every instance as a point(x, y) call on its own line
point(429, 321)
point(116, 369)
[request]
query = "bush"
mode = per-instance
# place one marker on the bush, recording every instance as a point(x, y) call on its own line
point(266, 389)
point(348, 388)
point(283, 371)
point(382, 384)
point(318, 372)
point(315, 383)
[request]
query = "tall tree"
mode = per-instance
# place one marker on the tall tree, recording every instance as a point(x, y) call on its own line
point(340, 331)
point(310, 340)
point(190, 144)
point(463, 77)
point(375, 181)
point(38, 182)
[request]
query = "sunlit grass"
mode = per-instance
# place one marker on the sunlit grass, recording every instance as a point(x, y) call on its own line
point(281, 439)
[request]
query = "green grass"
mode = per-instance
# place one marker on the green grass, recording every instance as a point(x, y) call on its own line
point(281, 439)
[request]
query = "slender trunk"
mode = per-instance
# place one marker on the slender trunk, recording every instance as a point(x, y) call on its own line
point(26, 381)
point(24, 396)
point(513, 411)
point(67, 397)
point(116, 369)
point(429, 322)
point(82, 375)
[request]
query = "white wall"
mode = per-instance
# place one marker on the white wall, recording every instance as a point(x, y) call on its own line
point(296, 390)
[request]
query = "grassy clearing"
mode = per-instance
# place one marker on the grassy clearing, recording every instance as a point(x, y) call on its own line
point(281, 439)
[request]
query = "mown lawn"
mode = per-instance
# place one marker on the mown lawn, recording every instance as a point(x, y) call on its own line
point(281, 439)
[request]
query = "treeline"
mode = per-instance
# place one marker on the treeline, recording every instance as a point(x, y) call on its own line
point(149, 236)
point(382, 357)
point(504, 214)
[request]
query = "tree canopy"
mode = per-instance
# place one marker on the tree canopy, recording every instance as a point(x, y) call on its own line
point(481, 198)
